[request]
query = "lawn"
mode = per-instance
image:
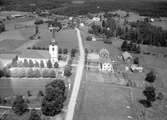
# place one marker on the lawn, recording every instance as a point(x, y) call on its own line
point(104, 102)
point(10, 44)
point(11, 87)
point(65, 39)
point(101, 101)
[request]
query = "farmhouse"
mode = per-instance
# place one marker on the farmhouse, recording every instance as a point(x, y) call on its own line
point(101, 60)
point(127, 56)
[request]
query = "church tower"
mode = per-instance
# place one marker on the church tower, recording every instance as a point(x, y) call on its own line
point(53, 47)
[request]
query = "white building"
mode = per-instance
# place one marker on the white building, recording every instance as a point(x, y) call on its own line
point(44, 56)
point(106, 65)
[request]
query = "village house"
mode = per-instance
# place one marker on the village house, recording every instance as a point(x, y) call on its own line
point(127, 57)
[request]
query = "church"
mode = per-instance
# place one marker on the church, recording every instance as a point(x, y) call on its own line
point(38, 56)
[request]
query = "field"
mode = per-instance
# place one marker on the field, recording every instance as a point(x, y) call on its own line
point(65, 39)
point(10, 45)
point(102, 101)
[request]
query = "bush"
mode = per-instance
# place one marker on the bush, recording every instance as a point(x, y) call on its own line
point(136, 60)
point(34, 115)
point(67, 71)
point(19, 106)
point(30, 73)
point(150, 77)
point(42, 64)
point(49, 64)
point(56, 65)
point(52, 74)
point(45, 74)
point(149, 93)
point(145, 103)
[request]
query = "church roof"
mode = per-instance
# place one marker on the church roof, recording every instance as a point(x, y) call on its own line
point(35, 54)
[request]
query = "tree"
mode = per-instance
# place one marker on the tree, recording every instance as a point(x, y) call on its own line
point(31, 64)
point(56, 65)
point(136, 60)
point(150, 77)
point(54, 98)
point(6, 72)
point(14, 61)
point(29, 93)
point(65, 51)
point(124, 46)
point(19, 105)
point(40, 93)
point(60, 51)
point(73, 52)
point(1, 73)
point(25, 64)
point(36, 64)
point(149, 93)
point(52, 74)
point(34, 115)
point(49, 64)
point(30, 73)
point(145, 103)
point(45, 74)
point(42, 64)
point(67, 71)
point(22, 73)
point(37, 73)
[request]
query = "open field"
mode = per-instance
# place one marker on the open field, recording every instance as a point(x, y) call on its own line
point(65, 39)
point(10, 45)
point(104, 102)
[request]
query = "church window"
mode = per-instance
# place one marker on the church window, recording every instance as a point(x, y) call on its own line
point(52, 49)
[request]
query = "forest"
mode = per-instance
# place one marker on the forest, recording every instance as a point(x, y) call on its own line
point(144, 8)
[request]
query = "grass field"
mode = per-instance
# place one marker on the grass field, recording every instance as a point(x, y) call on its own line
point(65, 39)
point(104, 102)
point(10, 45)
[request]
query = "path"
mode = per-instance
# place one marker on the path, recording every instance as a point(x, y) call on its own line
point(78, 78)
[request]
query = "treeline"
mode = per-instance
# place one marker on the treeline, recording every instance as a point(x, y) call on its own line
point(154, 9)
point(31, 5)
point(145, 33)
point(137, 32)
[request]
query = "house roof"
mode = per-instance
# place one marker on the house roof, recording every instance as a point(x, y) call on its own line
point(37, 54)
point(126, 55)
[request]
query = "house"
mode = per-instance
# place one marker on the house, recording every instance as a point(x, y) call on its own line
point(127, 57)
point(105, 65)
point(135, 68)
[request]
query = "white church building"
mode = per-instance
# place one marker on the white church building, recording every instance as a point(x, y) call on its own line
point(36, 56)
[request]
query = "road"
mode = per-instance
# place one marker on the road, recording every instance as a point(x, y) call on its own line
point(78, 79)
